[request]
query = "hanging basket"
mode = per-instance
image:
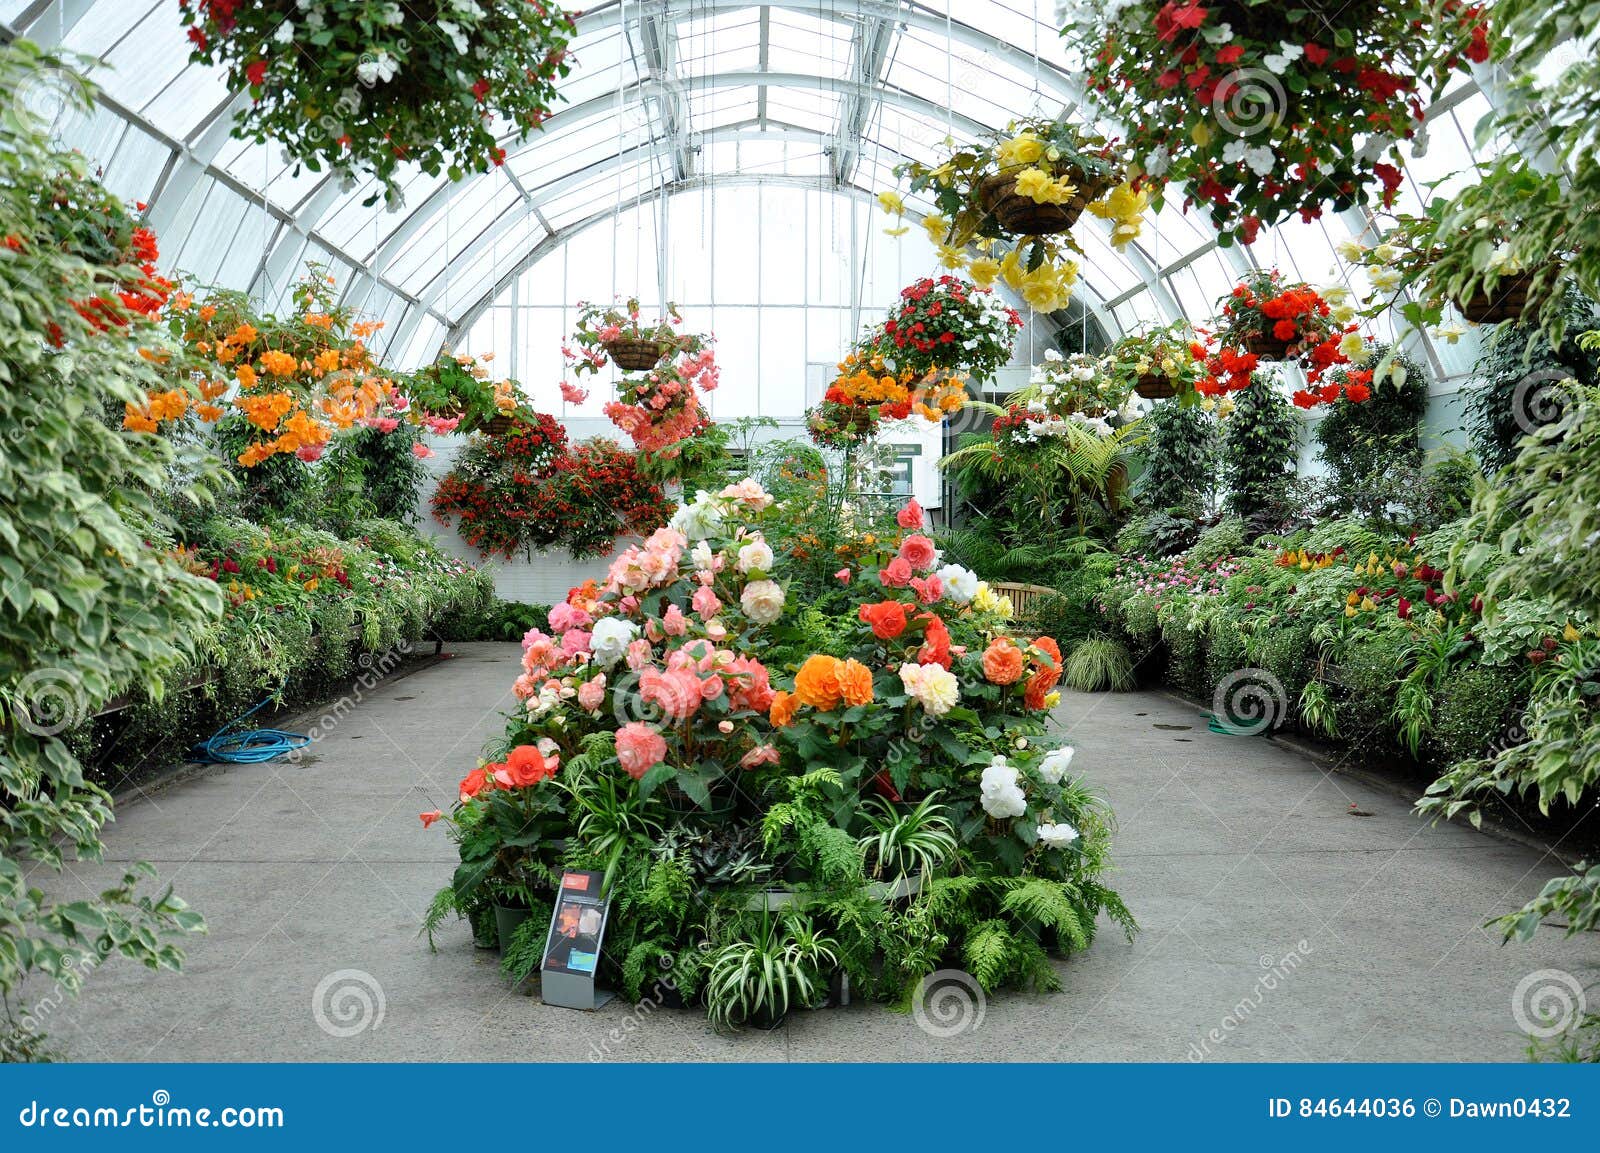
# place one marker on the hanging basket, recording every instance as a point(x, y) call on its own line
point(1509, 298)
point(1154, 386)
point(1268, 347)
point(635, 355)
point(498, 425)
point(1022, 216)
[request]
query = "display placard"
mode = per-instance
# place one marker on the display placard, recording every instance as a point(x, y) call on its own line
point(572, 947)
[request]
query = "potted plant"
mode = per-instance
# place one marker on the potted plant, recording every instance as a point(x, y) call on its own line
point(1016, 195)
point(869, 390)
point(508, 824)
point(616, 332)
point(454, 394)
point(299, 380)
point(782, 961)
point(906, 843)
point(1162, 362)
point(385, 91)
point(948, 325)
point(1490, 264)
point(1267, 318)
point(1264, 111)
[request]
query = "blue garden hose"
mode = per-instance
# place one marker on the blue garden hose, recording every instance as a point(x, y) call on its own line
point(248, 748)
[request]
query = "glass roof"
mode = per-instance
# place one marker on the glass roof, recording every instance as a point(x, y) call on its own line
point(666, 97)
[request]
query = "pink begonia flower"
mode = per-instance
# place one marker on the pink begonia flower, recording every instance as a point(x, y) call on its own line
point(716, 630)
point(638, 654)
point(421, 451)
point(640, 748)
point(705, 602)
point(760, 755)
point(724, 727)
point(918, 552)
point(441, 425)
point(910, 516)
point(566, 616)
point(574, 641)
point(673, 622)
point(928, 591)
point(842, 576)
point(384, 424)
point(572, 394)
point(309, 452)
point(591, 694)
point(896, 574)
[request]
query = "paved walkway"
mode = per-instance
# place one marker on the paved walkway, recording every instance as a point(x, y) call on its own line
point(1287, 914)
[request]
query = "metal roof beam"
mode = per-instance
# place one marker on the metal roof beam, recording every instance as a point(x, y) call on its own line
point(869, 51)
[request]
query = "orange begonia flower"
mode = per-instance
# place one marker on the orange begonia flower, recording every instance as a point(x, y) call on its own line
point(1002, 662)
point(817, 682)
point(855, 683)
point(781, 713)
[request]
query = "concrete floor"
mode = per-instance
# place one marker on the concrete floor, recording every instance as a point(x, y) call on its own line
point(1232, 852)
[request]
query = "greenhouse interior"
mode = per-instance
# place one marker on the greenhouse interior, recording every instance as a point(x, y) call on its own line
point(807, 531)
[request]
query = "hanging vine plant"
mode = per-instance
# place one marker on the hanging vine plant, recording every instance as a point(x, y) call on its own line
point(359, 87)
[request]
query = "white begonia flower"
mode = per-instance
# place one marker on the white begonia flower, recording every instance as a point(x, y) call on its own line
point(1397, 373)
point(1384, 279)
point(1233, 151)
point(609, 639)
point(762, 601)
point(999, 791)
point(1450, 333)
point(1350, 250)
point(960, 584)
point(701, 519)
point(1057, 836)
point(285, 33)
point(1052, 355)
point(757, 555)
point(1055, 764)
point(1260, 159)
point(1157, 163)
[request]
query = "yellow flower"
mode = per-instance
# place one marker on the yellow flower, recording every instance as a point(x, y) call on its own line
point(901, 231)
point(1569, 633)
point(936, 226)
point(891, 203)
point(1125, 208)
point(1011, 270)
point(1349, 610)
point(1368, 604)
point(951, 257)
point(1042, 188)
point(1052, 699)
point(1023, 148)
point(984, 270)
point(1353, 347)
point(1043, 290)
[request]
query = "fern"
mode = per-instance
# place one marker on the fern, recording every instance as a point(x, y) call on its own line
point(1049, 903)
point(987, 952)
point(443, 904)
point(521, 956)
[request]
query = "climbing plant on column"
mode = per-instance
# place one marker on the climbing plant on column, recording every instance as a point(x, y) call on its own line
point(88, 607)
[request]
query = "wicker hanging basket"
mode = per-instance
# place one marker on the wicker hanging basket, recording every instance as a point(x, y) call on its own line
point(1268, 347)
point(1022, 216)
point(1509, 298)
point(498, 425)
point(635, 355)
point(1154, 386)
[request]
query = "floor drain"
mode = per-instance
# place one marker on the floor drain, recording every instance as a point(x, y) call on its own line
point(1173, 728)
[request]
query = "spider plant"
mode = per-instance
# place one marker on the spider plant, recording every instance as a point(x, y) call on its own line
point(784, 962)
point(612, 820)
point(903, 843)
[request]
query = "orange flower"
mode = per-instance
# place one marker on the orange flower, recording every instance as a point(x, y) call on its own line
point(855, 683)
point(244, 334)
point(276, 363)
point(817, 682)
point(266, 411)
point(169, 405)
point(136, 419)
point(209, 413)
point(783, 708)
point(207, 311)
point(1048, 672)
point(246, 376)
point(1002, 662)
point(887, 618)
point(327, 360)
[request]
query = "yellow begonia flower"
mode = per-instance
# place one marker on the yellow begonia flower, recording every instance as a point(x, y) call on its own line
point(1125, 208)
point(891, 202)
point(1041, 188)
point(937, 227)
point(901, 231)
point(1353, 348)
point(1011, 270)
point(950, 257)
point(984, 270)
point(1043, 290)
point(1023, 148)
